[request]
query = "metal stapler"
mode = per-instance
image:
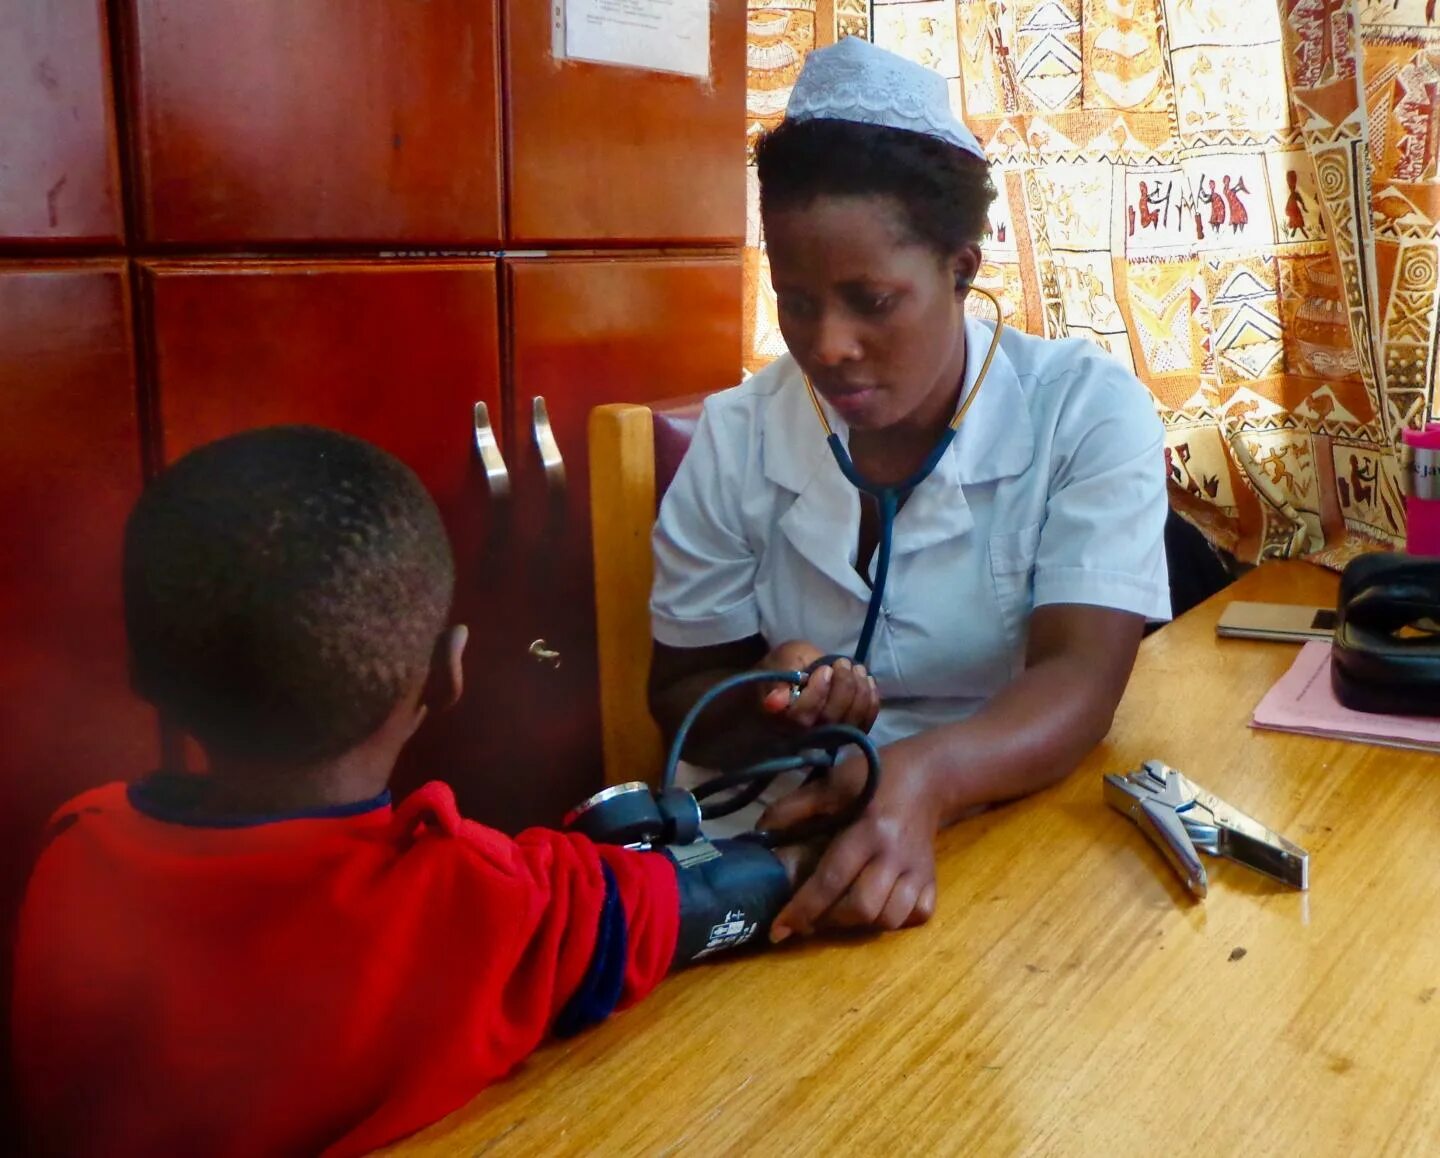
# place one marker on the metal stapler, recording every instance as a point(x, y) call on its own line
point(1185, 820)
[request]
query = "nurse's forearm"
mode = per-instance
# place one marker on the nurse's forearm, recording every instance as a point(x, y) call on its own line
point(1029, 736)
point(1038, 729)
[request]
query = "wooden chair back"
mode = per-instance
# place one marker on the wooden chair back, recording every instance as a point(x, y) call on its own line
point(634, 453)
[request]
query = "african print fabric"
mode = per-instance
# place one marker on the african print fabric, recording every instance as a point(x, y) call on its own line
point(1236, 198)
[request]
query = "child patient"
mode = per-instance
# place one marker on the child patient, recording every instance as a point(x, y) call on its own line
point(271, 958)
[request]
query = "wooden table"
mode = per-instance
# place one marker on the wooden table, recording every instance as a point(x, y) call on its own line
point(1068, 998)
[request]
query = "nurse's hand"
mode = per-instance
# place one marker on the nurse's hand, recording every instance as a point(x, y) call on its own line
point(878, 873)
point(842, 693)
point(799, 860)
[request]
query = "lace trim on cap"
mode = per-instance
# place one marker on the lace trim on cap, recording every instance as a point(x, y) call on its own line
point(848, 91)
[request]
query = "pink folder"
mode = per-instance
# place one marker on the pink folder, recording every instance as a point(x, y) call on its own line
point(1301, 701)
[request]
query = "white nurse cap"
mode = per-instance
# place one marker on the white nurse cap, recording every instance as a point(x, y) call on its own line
point(852, 80)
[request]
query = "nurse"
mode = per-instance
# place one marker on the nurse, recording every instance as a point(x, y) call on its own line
point(1024, 566)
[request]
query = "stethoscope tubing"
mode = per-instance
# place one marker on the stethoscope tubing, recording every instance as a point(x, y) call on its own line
point(890, 497)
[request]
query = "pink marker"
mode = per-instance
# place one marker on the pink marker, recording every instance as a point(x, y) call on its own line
point(1422, 490)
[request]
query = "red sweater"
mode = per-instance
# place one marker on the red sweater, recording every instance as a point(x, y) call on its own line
point(325, 983)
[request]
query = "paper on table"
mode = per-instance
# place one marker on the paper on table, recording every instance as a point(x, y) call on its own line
point(1302, 701)
point(662, 35)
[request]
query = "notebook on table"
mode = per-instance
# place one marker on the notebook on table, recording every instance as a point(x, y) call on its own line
point(1302, 701)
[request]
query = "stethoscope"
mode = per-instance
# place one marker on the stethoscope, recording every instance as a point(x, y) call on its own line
point(889, 498)
point(633, 815)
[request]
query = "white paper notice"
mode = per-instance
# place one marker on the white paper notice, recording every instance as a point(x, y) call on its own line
point(664, 35)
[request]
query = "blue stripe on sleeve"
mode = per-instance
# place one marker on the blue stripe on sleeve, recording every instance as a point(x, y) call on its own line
point(600, 989)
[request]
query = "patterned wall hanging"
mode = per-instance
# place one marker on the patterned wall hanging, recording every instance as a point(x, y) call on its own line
point(1237, 198)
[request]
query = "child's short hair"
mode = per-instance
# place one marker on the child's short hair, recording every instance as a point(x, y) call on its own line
point(284, 588)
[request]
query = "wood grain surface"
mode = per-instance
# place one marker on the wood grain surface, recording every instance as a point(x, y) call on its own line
point(1068, 998)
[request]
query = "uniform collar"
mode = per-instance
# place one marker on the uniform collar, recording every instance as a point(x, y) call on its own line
point(793, 443)
point(995, 441)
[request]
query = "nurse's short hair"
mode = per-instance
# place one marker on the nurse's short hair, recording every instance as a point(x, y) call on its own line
point(284, 589)
point(945, 191)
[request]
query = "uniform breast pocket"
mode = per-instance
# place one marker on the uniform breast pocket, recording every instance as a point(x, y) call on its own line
point(1012, 571)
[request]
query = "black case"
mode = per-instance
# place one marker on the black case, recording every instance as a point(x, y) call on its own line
point(1376, 664)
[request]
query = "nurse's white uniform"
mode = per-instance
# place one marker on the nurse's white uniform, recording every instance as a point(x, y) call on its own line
point(1053, 491)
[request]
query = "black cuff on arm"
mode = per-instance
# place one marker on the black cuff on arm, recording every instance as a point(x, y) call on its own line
point(730, 891)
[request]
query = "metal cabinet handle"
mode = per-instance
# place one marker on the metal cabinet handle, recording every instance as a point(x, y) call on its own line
point(489, 450)
point(549, 449)
point(542, 653)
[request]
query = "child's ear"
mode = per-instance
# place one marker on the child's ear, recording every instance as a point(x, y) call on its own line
point(447, 673)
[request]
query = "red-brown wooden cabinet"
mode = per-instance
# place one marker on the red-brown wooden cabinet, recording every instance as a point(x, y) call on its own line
point(580, 330)
point(371, 215)
point(395, 352)
point(69, 470)
point(59, 172)
point(610, 155)
point(278, 122)
point(589, 330)
point(398, 353)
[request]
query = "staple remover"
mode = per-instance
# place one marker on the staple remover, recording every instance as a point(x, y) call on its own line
point(1185, 820)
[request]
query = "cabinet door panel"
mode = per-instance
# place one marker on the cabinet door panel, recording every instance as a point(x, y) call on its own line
point(70, 469)
point(586, 332)
point(605, 154)
point(397, 354)
point(272, 121)
point(59, 176)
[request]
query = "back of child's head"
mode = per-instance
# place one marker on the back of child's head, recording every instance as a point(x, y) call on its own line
point(284, 589)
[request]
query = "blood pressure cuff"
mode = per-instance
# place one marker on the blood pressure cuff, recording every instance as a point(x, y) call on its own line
point(1386, 653)
point(730, 891)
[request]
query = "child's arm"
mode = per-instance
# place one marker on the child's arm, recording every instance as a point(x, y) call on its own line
point(664, 910)
point(572, 930)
